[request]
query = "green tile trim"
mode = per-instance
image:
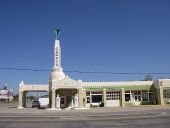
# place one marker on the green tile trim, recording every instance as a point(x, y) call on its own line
point(139, 87)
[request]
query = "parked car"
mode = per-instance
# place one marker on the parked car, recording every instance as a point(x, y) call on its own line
point(35, 104)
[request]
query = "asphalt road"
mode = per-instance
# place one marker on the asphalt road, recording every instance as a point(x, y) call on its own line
point(151, 122)
point(137, 117)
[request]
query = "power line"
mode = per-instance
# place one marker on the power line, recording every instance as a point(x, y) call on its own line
point(25, 69)
point(88, 72)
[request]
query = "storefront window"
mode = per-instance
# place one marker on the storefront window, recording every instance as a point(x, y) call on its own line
point(87, 93)
point(96, 98)
point(136, 95)
point(127, 97)
point(145, 95)
point(166, 93)
point(62, 93)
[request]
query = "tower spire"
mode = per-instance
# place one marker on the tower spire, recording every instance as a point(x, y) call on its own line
point(57, 52)
point(57, 32)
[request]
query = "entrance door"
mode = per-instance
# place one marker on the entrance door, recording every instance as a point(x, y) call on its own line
point(113, 98)
point(63, 102)
point(63, 99)
point(66, 98)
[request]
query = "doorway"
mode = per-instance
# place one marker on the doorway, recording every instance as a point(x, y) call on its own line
point(66, 98)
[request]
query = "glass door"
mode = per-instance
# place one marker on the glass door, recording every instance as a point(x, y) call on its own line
point(63, 99)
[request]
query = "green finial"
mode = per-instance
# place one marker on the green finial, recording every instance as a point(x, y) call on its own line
point(57, 32)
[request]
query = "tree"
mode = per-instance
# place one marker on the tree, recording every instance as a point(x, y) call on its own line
point(5, 87)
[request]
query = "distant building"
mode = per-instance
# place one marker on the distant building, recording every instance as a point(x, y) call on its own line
point(148, 78)
point(65, 92)
point(5, 94)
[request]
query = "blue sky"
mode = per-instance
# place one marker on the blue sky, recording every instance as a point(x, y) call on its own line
point(96, 35)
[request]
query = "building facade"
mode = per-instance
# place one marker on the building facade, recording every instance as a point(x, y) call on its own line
point(65, 92)
point(6, 94)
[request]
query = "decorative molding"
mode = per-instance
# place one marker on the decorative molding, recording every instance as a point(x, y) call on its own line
point(117, 84)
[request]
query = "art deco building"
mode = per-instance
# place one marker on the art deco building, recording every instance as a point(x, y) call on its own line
point(65, 92)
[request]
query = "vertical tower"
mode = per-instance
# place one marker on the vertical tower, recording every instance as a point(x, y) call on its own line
point(57, 73)
point(57, 55)
point(57, 52)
